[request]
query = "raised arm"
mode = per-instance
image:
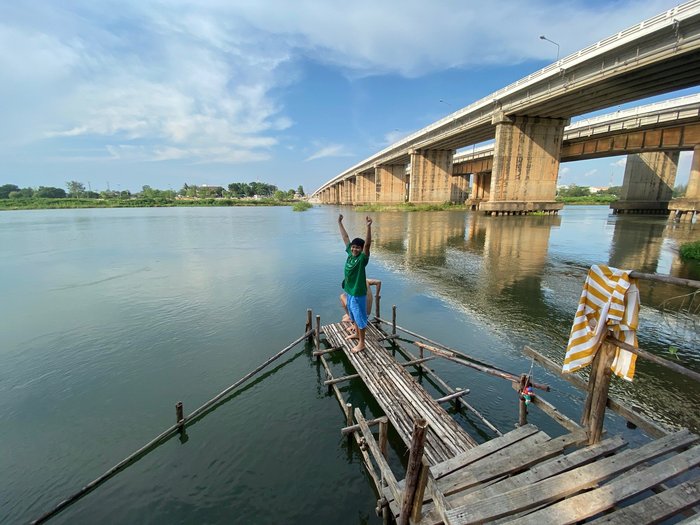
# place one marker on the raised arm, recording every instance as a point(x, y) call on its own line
point(368, 237)
point(343, 233)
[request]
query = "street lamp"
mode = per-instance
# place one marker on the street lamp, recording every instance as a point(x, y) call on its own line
point(542, 37)
point(446, 103)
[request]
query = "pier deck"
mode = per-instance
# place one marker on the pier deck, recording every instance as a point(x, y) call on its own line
point(402, 399)
point(524, 476)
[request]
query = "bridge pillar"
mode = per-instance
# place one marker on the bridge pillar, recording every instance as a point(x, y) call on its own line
point(460, 188)
point(391, 183)
point(525, 165)
point(648, 183)
point(431, 174)
point(688, 206)
point(365, 189)
point(347, 190)
point(481, 189)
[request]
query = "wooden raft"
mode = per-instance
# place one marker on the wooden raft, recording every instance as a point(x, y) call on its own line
point(525, 477)
point(400, 396)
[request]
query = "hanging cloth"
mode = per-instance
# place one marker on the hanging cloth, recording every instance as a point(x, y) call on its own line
point(609, 304)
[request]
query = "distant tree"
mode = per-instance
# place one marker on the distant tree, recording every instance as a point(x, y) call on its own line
point(279, 195)
point(291, 194)
point(679, 191)
point(574, 191)
point(300, 190)
point(48, 192)
point(612, 190)
point(75, 188)
point(91, 195)
point(24, 193)
point(6, 189)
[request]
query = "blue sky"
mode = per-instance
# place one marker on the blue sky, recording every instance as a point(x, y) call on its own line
point(162, 93)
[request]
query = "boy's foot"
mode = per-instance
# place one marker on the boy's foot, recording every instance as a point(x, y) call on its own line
point(358, 348)
point(353, 335)
point(345, 319)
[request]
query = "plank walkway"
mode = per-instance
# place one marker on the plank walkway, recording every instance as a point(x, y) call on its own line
point(402, 399)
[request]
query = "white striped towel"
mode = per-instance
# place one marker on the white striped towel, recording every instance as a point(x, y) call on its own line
point(609, 304)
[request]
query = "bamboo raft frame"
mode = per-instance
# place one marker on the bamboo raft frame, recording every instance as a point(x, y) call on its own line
point(524, 476)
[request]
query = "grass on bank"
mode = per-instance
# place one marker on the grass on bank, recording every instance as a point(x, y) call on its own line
point(42, 204)
point(690, 250)
point(408, 206)
point(301, 206)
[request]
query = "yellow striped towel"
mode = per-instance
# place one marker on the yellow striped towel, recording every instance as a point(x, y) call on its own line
point(609, 303)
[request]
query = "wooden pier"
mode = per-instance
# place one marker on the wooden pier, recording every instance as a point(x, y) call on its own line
point(523, 476)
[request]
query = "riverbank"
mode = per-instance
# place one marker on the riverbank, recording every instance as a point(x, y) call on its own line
point(53, 204)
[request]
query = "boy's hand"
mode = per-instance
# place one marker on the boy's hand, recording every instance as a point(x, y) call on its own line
point(368, 219)
point(340, 218)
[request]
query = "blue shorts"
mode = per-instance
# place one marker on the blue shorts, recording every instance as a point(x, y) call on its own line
point(357, 308)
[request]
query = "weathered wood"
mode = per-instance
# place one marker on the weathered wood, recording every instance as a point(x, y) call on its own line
point(342, 379)
point(679, 281)
point(649, 426)
point(385, 470)
point(476, 366)
point(348, 414)
point(384, 436)
point(370, 423)
point(417, 509)
point(415, 464)
point(459, 393)
point(179, 415)
point(582, 506)
point(318, 333)
point(599, 396)
point(656, 508)
point(553, 412)
point(566, 484)
point(393, 319)
point(522, 405)
point(317, 353)
point(309, 326)
point(695, 376)
point(486, 449)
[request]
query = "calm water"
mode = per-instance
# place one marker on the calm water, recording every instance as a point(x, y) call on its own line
point(109, 317)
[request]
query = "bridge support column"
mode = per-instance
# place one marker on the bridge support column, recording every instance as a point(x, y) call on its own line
point(347, 191)
point(391, 183)
point(460, 188)
point(688, 206)
point(525, 165)
point(365, 189)
point(481, 189)
point(431, 174)
point(648, 183)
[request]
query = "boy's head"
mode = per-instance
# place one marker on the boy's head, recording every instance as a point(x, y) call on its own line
point(356, 246)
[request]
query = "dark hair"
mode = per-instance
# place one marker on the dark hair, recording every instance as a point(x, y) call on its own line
point(358, 242)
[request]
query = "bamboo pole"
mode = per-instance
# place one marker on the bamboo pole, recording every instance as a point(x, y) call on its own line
point(376, 300)
point(179, 416)
point(413, 470)
point(356, 427)
point(482, 368)
point(655, 359)
point(665, 279)
point(318, 333)
point(309, 317)
point(348, 414)
point(383, 436)
point(459, 393)
point(158, 439)
point(522, 406)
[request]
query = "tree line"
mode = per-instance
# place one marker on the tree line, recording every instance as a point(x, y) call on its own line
point(76, 190)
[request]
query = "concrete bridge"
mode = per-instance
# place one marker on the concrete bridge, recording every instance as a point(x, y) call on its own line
point(527, 120)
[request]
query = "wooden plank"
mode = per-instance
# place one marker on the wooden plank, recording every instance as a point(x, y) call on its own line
point(544, 470)
point(486, 449)
point(568, 483)
point(520, 455)
point(583, 506)
point(554, 413)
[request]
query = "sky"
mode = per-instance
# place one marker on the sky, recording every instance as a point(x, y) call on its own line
point(122, 94)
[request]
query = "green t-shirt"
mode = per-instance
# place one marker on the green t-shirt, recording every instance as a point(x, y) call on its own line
point(355, 277)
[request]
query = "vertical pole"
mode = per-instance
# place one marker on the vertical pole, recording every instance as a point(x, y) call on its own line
point(348, 416)
point(600, 394)
point(383, 430)
point(420, 493)
point(415, 465)
point(309, 315)
point(179, 414)
point(378, 297)
point(522, 412)
point(318, 333)
point(393, 320)
point(586, 411)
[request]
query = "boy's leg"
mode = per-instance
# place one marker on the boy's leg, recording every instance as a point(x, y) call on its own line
point(357, 306)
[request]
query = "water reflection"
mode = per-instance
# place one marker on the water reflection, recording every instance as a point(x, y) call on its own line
point(523, 275)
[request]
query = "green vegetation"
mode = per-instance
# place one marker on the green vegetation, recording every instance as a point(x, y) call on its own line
point(574, 194)
point(408, 206)
point(12, 197)
point(301, 206)
point(690, 250)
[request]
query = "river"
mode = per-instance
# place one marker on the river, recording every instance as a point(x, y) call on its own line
point(109, 317)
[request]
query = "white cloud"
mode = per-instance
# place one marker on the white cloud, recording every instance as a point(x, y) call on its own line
point(334, 150)
point(590, 173)
point(620, 163)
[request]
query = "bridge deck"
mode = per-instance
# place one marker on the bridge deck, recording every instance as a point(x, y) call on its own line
point(400, 396)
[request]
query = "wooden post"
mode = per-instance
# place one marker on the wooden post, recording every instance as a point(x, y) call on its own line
point(383, 431)
point(600, 393)
point(586, 411)
point(348, 414)
point(309, 316)
point(318, 333)
point(377, 299)
point(179, 414)
point(522, 412)
point(420, 493)
point(413, 472)
point(393, 320)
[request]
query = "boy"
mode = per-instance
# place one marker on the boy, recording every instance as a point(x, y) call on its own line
point(356, 280)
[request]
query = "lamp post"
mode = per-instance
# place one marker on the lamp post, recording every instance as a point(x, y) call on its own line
point(446, 103)
point(542, 37)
